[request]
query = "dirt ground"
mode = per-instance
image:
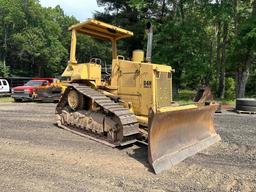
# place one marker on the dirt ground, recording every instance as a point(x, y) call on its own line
point(35, 155)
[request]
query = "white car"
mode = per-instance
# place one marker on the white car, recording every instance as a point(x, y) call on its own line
point(4, 86)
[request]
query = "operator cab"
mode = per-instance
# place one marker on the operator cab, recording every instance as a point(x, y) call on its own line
point(105, 68)
point(95, 71)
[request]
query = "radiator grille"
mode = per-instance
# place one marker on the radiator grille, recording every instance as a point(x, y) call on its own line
point(18, 91)
point(164, 89)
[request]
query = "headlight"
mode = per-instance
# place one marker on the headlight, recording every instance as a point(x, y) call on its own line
point(27, 91)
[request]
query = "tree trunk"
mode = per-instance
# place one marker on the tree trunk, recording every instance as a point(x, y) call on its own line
point(242, 73)
point(218, 53)
point(163, 10)
point(5, 48)
point(235, 7)
point(33, 67)
point(241, 79)
point(40, 74)
point(174, 8)
point(207, 77)
point(254, 8)
point(222, 85)
point(181, 10)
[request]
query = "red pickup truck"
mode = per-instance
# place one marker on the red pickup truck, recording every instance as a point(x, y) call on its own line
point(26, 92)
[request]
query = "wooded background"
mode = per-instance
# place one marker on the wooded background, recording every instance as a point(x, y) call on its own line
point(207, 41)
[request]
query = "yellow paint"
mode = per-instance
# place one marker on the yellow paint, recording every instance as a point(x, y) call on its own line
point(86, 71)
point(138, 56)
point(138, 84)
point(177, 108)
point(101, 30)
point(143, 120)
point(73, 48)
point(98, 29)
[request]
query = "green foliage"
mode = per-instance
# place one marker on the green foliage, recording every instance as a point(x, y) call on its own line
point(244, 44)
point(202, 40)
point(185, 96)
point(227, 101)
point(88, 48)
point(181, 45)
point(4, 70)
point(230, 88)
point(35, 41)
point(251, 85)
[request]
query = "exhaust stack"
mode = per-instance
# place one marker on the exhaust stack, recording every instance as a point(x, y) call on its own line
point(149, 29)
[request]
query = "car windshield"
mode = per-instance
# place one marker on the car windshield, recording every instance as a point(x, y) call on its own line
point(34, 83)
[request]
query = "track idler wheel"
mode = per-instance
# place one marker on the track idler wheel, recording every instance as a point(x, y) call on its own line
point(75, 100)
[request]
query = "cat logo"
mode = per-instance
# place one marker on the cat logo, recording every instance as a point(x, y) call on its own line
point(147, 84)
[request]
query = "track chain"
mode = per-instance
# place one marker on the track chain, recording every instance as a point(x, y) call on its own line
point(127, 120)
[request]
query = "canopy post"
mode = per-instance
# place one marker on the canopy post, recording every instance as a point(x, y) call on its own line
point(72, 59)
point(114, 49)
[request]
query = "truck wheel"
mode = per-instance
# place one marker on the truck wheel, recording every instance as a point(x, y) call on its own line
point(17, 100)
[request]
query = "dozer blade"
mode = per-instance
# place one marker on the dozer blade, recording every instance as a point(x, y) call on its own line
point(176, 135)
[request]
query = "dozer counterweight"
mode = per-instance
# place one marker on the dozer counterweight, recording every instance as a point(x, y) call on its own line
point(135, 99)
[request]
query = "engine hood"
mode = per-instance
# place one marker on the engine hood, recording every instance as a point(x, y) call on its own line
point(23, 88)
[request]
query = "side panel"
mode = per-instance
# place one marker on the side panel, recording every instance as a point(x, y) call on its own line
point(128, 83)
point(146, 89)
point(136, 84)
point(146, 85)
point(85, 71)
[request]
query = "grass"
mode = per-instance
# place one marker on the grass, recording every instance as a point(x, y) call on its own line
point(186, 96)
point(227, 101)
point(6, 99)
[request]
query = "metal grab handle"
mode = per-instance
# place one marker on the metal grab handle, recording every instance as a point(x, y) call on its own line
point(96, 61)
point(120, 57)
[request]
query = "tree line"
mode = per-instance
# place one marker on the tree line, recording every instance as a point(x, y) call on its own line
point(207, 42)
point(35, 41)
point(210, 42)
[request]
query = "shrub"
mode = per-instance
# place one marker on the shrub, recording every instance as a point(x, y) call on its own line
point(4, 70)
point(230, 88)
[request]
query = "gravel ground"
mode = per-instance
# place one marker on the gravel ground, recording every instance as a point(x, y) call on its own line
point(35, 155)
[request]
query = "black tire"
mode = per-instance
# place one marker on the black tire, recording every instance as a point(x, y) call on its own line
point(17, 100)
point(246, 108)
point(246, 102)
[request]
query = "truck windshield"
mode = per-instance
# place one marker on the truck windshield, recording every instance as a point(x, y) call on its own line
point(34, 83)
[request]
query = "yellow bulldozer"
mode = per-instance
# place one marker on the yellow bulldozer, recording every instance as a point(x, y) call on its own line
point(134, 103)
